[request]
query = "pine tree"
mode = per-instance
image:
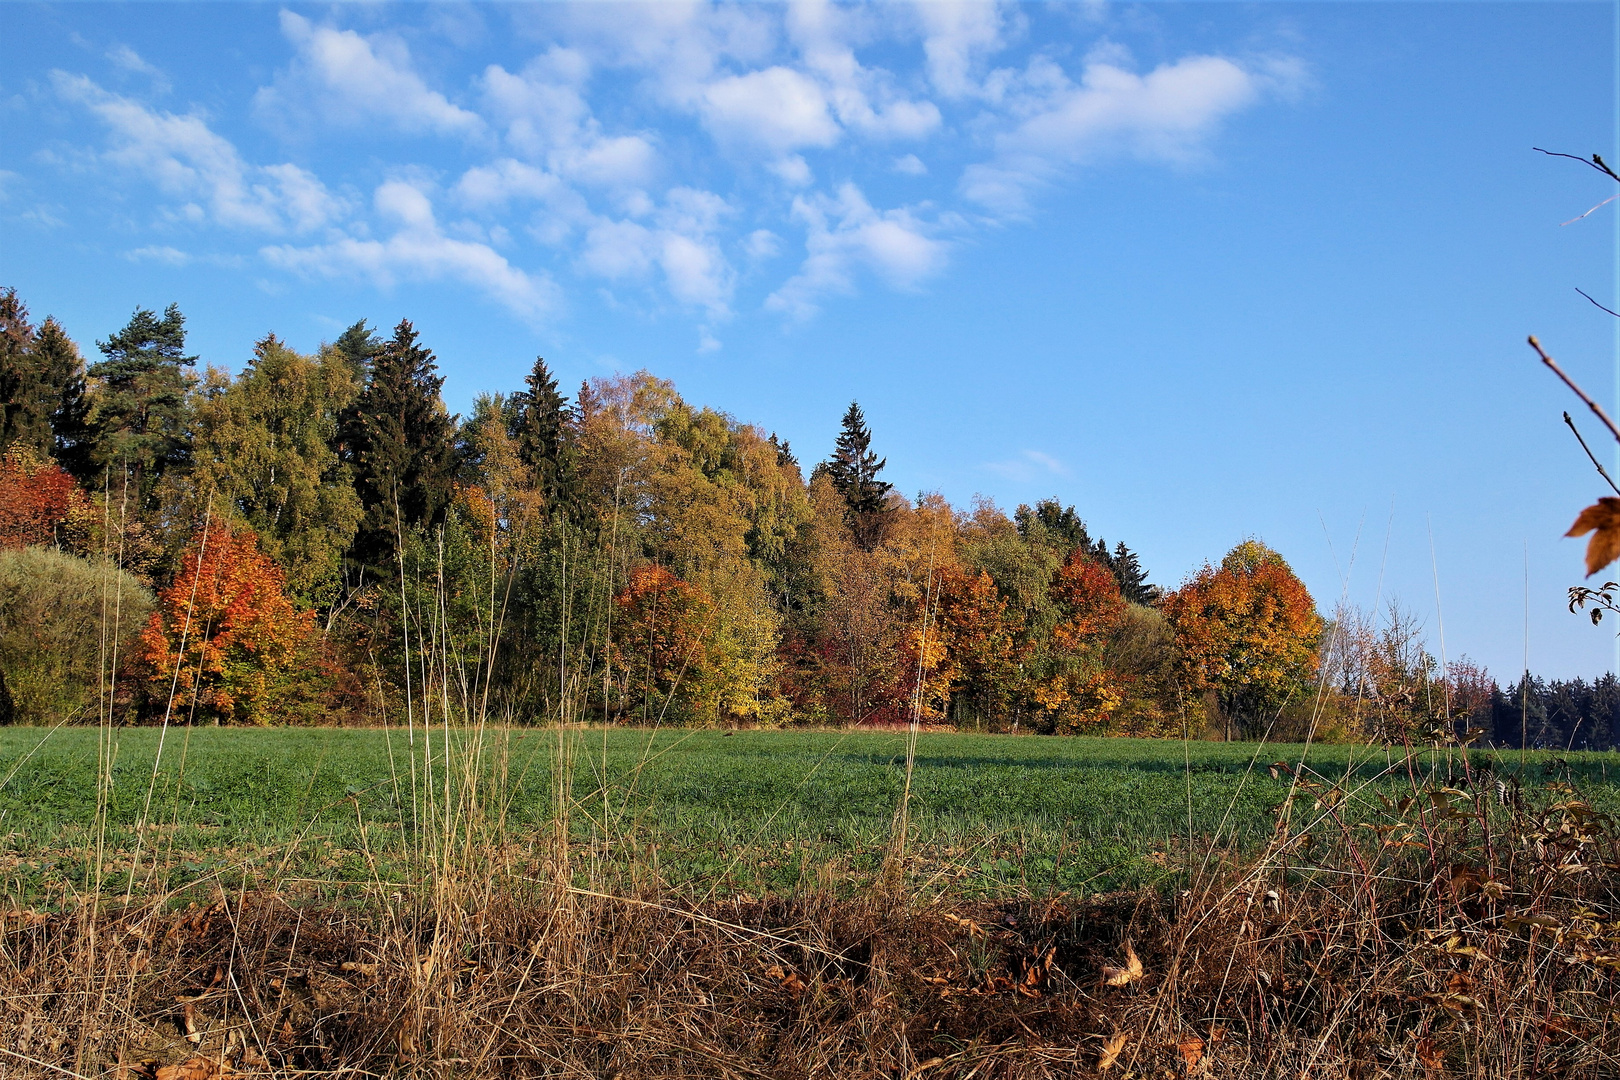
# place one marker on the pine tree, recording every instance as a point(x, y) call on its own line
point(62, 375)
point(854, 470)
point(399, 441)
point(542, 427)
point(359, 344)
point(1056, 526)
point(139, 421)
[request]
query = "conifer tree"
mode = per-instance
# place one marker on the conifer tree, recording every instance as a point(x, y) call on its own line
point(19, 378)
point(854, 470)
point(399, 441)
point(63, 393)
point(358, 344)
point(541, 426)
point(139, 422)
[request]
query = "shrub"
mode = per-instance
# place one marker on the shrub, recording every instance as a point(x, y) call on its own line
point(53, 608)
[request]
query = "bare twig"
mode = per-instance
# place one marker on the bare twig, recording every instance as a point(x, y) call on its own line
point(1616, 314)
point(1596, 161)
point(1601, 470)
point(1589, 213)
point(1597, 409)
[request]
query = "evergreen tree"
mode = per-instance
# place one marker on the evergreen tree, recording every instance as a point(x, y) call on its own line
point(399, 441)
point(62, 375)
point(541, 425)
point(140, 417)
point(1054, 525)
point(358, 344)
point(20, 419)
point(1133, 582)
point(854, 470)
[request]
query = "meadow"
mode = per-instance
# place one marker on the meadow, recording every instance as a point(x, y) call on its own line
point(701, 813)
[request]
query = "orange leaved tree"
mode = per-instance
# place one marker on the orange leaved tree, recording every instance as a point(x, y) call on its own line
point(1248, 631)
point(1075, 686)
point(661, 646)
point(244, 654)
point(39, 503)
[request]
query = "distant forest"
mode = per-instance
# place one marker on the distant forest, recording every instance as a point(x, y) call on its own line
point(318, 540)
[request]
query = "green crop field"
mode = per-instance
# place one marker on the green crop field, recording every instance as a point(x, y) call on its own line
point(702, 812)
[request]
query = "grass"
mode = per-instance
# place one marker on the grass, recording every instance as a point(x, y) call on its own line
point(703, 813)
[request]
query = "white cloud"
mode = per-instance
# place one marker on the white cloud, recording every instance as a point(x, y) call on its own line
point(349, 80)
point(762, 244)
point(680, 244)
point(956, 39)
point(1167, 115)
point(846, 235)
point(419, 250)
point(778, 108)
point(793, 170)
point(164, 254)
point(126, 58)
point(185, 158)
point(910, 165)
point(547, 119)
point(1028, 466)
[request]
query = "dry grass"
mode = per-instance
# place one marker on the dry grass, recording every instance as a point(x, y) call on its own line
point(1469, 932)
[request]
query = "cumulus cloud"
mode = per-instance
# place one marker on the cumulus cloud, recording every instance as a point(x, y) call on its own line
point(546, 118)
point(350, 80)
point(1167, 114)
point(957, 37)
point(419, 250)
point(845, 235)
point(680, 244)
point(188, 160)
point(778, 108)
point(910, 165)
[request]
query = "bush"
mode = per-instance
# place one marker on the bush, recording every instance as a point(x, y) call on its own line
point(52, 610)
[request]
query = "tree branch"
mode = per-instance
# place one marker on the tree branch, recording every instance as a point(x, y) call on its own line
point(1597, 409)
point(1597, 162)
point(1601, 470)
point(1600, 307)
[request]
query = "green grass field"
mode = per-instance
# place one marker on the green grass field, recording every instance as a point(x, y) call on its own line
point(703, 812)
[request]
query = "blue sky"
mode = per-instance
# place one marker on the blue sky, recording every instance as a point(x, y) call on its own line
point(1204, 271)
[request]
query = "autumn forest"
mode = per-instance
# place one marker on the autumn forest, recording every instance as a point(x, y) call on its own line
point(318, 540)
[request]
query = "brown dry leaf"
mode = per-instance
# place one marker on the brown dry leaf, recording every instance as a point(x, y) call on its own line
point(1123, 976)
point(1111, 1050)
point(193, 1069)
point(1426, 1051)
point(1191, 1048)
point(1602, 520)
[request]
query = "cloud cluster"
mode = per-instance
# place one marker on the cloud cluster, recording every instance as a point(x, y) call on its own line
point(750, 134)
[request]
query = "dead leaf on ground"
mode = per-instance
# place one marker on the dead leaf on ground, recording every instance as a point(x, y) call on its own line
point(192, 1069)
point(1602, 520)
point(1191, 1048)
point(1111, 1050)
point(790, 980)
point(1123, 976)
point(1426, 1051)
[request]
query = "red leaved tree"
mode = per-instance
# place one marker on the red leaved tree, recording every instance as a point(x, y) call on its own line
point(39, 503)
point(661, 645)
point(244, 653)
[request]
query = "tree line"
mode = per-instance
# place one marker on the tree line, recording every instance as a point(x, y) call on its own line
point(317, 539)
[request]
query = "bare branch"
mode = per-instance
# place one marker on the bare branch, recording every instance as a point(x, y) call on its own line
point(1616, 314)
point(1597, 409)
point(1597, 162)
point(1601, 470)
point(1599, 206)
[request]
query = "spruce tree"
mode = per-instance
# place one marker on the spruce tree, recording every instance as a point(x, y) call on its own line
point(139, 422)
point(358, 345)
point(1133, 582)
point(20, 419)
point(399, 441)
point(854, 470)
point(63, 392)
point(541, 425)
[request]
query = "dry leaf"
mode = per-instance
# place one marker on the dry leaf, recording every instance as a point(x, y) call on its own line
point(1122, 976)
point(1111, 1051)
point(1191, 1048)
point(194, 1069)
point(1426, 1051)
point(1602, 520)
